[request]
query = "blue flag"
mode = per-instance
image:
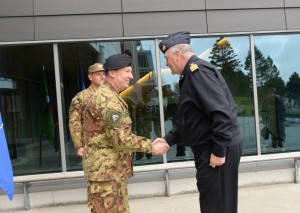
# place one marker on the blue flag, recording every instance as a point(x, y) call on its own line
point(6, 172)
point(80, 79)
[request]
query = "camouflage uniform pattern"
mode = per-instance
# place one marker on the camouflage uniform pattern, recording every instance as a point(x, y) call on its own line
point(109, 141)
point(109, 197)
point(76, 108)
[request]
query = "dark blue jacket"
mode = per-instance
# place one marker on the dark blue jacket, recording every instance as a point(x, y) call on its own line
point(206, 111)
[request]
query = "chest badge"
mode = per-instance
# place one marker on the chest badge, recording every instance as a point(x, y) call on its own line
point(193, 67)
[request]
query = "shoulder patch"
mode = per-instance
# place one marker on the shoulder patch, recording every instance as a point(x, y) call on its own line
point(193, 67)
point(114, 118)
point(76, 103)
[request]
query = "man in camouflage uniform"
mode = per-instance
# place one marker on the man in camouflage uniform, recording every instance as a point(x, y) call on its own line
point(96, 76)
point(273, 116)
point(109, 141)
point(78, 103)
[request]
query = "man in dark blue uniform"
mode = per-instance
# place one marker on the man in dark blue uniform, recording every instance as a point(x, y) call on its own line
point(206, 121)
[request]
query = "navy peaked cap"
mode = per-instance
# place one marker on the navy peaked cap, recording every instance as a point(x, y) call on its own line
point(173, 39)
point(117, 61)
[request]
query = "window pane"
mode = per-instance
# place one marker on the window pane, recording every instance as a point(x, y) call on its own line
point(231, 56)
point(141, 97)
point(28, 108)
point(278, 85)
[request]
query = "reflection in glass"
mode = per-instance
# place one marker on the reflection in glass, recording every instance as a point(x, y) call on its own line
point(143, 97)
point(28, 108)
point(278, 86)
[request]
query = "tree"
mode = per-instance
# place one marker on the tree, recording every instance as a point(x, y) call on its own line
point(293, 86)
point(266, 72)
point(225, 60)
point(261, 66)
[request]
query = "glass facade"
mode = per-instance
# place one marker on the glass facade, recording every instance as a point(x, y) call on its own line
point(29, 109)
point(278, 86)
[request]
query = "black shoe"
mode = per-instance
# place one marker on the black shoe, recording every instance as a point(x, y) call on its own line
point(180, 153)
point(281, 144)
point(274, 144)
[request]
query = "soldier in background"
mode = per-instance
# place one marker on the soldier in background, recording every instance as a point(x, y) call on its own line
point(96, 76)
point(78, 103)
point(171, 99)
point(109, 141)
point(143, 117)
point(273, 116)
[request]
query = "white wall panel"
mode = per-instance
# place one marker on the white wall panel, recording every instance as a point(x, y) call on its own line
point(165, 5)
point(62, 7)
point(245, 20)
point(293, 18)
point(243, 4)
point(16, 29)
point(148, 24)
point(78, 26)
point(292, 3)
point(16, 8)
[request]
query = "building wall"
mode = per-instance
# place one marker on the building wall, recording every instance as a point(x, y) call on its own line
point(40, 20)
point(37, 20)
point(145, 184)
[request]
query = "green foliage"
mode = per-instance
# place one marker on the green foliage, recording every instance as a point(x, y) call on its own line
point(245, 106)
point(226, 61)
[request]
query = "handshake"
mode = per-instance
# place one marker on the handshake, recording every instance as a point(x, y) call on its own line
point(160, 146)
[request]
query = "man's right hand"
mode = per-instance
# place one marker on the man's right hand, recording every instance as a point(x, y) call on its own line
point(160, 146)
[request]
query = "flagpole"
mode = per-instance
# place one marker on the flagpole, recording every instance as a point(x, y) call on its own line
point(40, 151)
point(40, 145)
point(80, 76)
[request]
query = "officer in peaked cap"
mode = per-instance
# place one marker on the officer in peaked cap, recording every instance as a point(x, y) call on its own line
point(207, 122)
point(173, 39)
point(107, 158)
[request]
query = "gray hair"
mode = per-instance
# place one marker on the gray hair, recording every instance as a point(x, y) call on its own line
point(182, 48)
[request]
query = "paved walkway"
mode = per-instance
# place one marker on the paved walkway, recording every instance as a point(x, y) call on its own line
point(279, 198)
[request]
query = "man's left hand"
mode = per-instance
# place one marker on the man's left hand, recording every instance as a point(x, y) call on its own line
point(216, 161)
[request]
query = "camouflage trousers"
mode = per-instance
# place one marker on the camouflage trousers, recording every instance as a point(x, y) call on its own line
point(108, 196)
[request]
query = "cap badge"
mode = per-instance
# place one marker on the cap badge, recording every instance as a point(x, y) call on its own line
point(193, 67)
point(163, 47)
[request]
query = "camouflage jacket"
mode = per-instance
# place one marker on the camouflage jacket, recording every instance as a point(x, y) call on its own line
point(109, 141)
point(75, 115)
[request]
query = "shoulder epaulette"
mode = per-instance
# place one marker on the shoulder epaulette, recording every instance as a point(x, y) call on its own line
point(194, 67)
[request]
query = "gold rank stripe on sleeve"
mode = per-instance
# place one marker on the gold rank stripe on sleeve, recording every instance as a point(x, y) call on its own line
point(193, 67)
